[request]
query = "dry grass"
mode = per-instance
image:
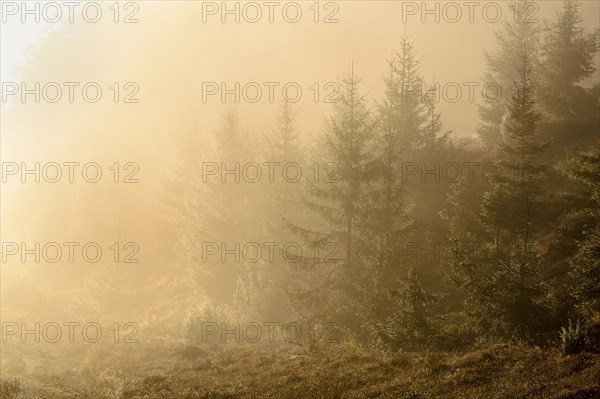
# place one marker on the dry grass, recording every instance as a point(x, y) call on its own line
point(343, 371)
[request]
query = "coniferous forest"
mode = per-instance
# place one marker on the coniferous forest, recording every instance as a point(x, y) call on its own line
point(212, 227)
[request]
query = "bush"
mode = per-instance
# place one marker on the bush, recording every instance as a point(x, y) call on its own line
point(10, 389)
point(573, 339)
point(593, 331)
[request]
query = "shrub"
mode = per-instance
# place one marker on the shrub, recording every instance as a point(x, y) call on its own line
point(573, 339)
point(10, 389)
point(593, 331)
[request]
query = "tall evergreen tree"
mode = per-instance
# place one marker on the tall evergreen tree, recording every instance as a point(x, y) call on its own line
point(517, 33)
point(568, 58)
point(279, 199)
point(413, 323)
point(390, 222)
point(283, 147)
point(412, 125)
point(218, 211)
point(341, 292)
point(586, 262)
point(433, 136)
point(505, 286)
point(404, 94)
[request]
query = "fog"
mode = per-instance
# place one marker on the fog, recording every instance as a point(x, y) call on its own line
point(125, 171)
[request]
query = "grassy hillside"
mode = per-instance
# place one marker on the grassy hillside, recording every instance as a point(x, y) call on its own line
point(340, 371)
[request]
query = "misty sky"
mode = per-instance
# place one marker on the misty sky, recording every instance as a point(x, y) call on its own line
point(170, 37)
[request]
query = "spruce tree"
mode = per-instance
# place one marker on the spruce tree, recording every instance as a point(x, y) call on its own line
point(433, 136)
point(411, 130)
point(341, 291)
point(568, 58)
point(504, 284)
point(517, 33)
point(585, 167)
point(413, 322)
point(283, 147)
point(279, 200)
point(390, 222)
point(219, 212)
point(404, 94)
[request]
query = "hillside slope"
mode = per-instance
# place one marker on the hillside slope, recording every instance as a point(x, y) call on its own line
point(347, 371)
